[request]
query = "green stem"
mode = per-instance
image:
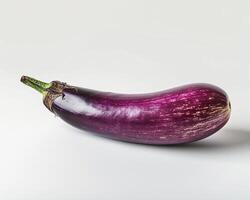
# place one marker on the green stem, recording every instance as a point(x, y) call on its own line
point(36, 84)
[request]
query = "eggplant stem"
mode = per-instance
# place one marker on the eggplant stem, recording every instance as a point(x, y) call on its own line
point(36, 84)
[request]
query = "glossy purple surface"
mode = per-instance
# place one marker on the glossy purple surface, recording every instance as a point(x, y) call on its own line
point(180, 115)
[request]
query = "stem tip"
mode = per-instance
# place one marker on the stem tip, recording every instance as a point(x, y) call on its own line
point(35, 84)
point(23, 78)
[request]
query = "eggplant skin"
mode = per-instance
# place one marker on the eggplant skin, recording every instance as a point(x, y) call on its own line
point(179, 115)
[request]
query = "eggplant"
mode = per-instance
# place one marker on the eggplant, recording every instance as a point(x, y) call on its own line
point(180, 115)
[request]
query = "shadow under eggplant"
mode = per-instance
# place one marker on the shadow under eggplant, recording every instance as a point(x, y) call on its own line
point(225, 139)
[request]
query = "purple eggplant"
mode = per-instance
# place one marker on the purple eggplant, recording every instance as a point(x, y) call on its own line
point(179, 115)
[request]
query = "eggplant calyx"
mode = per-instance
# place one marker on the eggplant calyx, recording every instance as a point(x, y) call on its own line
point(55, 90)
point(50, 91)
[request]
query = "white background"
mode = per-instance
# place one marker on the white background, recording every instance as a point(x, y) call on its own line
point(128, 46)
